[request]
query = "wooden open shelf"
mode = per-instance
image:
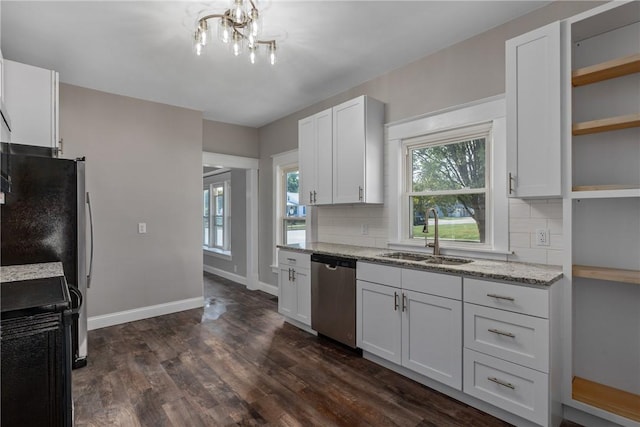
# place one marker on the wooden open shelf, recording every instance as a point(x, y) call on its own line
point(603, 273)
point(608, 124)
point(608, 398)
point(611, 187)
point(606, 70)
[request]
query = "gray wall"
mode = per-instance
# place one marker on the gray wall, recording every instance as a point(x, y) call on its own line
point(238, 227)
point(470, 70)
point(224, 138)
point(144, 164)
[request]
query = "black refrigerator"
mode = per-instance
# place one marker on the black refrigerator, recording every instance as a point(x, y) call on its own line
point(43, 220)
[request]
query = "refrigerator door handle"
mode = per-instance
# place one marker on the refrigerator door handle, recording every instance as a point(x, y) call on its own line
point(90, 247)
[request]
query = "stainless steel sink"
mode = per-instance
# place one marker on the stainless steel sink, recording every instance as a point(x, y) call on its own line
point(407, 256)
point(429, 259)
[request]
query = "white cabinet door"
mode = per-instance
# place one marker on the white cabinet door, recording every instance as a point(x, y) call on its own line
point(302, 285)
point(31, 97)
point(307, 159)
point(315, 159)
point(287, 296)
point(349, 151)
point(533, 75)
point(432, 337)
point(379, 320)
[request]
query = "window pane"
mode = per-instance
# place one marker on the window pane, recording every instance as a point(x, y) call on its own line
point(206, 202)
point(460, 217)
point(452, 166)
point(219, 235)
point(205, 239)
point(293, 206)
point(294, 231)
point(219, 220)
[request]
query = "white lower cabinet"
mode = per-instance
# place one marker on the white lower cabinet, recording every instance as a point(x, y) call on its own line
point(294, 286)
point(420, 331)
point(509, 386)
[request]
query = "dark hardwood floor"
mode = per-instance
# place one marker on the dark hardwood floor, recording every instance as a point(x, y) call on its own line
point(236, 362)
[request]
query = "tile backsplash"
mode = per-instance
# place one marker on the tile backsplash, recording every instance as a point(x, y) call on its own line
point(368, 226)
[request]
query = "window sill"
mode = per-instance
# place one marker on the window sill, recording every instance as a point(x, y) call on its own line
point(481, 252)
point(217, 253)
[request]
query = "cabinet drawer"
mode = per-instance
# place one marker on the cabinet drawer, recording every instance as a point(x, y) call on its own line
point(512, 387)
point(378, 273)
point(295, 259)
point(442, 285)
point(514, 337)
point(504, 296)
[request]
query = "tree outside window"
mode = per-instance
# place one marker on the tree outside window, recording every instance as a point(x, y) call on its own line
point(452, 177)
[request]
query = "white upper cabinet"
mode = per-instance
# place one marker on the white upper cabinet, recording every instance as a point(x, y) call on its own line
point(533, 93)
point(315, 148)
point(358, 145)
point(31, 98)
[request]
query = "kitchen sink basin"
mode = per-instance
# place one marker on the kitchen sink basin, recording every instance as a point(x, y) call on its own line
point(407, 256)
point(429, 259)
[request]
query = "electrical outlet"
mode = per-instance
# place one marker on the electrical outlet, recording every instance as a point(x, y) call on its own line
point(364, 229)
point(142, 227)
point(542, 237)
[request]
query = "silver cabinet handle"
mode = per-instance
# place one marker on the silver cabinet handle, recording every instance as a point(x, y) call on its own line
point(395, 301)
point(289, 274)
point(291, 259)
point(511, 179)
point(502, 383)
point(293, 274)
point(499, 332)
point(315, 200)
point(404, 302)
point(310, 197)
point(360, 192)
point(501, 297)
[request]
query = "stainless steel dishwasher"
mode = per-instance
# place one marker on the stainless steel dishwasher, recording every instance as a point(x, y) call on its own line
point(333, 297)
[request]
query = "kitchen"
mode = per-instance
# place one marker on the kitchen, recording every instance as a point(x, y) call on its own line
point(143, 267)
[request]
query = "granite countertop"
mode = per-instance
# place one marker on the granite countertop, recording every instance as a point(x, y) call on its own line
point(532, 274)
point(13, 273)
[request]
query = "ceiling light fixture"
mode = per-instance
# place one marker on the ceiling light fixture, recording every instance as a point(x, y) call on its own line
point(238, 25)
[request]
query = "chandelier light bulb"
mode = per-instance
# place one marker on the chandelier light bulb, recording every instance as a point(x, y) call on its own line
point(224, 30)
point(202, 32)
point(238, 13)
point(236, 46)
point(254, 25)
point(198, 49)
point(252, 53)
point(272, 53)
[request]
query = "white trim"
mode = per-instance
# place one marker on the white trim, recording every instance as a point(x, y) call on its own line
point(216, 172)
point(217, 253)
point(280, 162)
point(490, 110)
point(120, 317)
point(266, 287)
point(226, 161)
point(225, 274)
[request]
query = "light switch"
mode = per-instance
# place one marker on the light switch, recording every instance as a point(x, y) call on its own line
point(142, 227)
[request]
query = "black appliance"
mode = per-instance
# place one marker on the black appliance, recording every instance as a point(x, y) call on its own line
point(36, 353)
point(43, 220)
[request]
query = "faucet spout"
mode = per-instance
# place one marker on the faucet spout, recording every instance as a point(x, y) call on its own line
point(436, 238)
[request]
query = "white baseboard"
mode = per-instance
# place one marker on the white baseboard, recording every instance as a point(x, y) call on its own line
point(266, 287)
point(227, 275)
point(97, 322)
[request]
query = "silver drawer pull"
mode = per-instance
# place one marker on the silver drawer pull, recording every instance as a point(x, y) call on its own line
point(501, 297)
point(499, 332)
point(291, 259)
point(502, 383)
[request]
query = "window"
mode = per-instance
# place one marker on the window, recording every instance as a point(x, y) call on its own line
point(215, 216)
point(449, 173)
point(293, 213)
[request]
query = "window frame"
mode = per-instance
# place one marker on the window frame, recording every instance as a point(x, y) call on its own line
point(451, 136)
point(489, 110)
point(221, 180)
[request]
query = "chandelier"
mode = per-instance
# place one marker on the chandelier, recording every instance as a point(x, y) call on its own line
point(239, 25)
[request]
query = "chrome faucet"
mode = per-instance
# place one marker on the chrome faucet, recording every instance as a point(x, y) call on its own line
point(436, 241)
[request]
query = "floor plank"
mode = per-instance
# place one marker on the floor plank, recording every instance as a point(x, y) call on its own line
point(236, 362)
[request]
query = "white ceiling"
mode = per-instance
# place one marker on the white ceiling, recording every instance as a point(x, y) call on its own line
point(143, 49)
